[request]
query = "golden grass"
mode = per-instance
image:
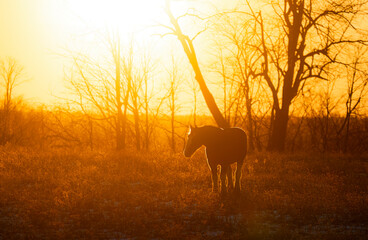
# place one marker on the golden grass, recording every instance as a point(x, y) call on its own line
point(99, 195)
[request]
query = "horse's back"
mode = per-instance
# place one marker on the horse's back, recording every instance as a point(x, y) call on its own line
point(235, 139)
point(231, 146)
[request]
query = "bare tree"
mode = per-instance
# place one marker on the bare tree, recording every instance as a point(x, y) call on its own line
point(136, 87)
point(128, 68)
point(194, 90)
point(98, 88)
point(312, 35)
point(172, 98)
point(115, 50)
point(187, 44)
point(138, 69)
point(357, 81)
point(12, 75)
point(151, 101)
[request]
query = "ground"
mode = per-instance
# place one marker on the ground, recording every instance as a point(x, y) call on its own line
point(58, 194)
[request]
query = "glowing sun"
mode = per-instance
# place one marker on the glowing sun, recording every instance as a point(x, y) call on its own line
point(126, 15)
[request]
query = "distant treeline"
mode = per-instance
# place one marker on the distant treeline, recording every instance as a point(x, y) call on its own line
point(64, 128)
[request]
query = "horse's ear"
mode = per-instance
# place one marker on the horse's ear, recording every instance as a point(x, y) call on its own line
point(190, 129)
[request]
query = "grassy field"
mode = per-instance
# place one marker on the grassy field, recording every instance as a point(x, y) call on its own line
point(97, 195)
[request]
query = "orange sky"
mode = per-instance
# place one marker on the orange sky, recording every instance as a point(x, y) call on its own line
point(24, 36)
point(35, 32)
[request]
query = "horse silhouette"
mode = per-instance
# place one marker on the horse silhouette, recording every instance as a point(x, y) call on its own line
point(223, 147)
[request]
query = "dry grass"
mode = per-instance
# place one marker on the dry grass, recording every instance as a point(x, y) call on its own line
point(92, 195)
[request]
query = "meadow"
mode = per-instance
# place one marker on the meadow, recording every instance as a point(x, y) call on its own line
point(58, 194)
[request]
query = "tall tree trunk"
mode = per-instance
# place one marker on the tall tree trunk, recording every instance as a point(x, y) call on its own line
point(42, 139)
point(173, 120)
point(346, 146)
point(90, 123)
point(248, 103)
point(188, 47)
point(146, 144)
point(250, 126)
point(124, 122)
point(128, 65)
point(119, 144)
point(146, 136)
point(279, 129)
point(325, 136)
point(223, 73)
point(136, 124)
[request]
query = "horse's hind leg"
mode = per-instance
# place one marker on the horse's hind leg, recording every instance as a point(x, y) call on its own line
point(237, 177)
point(230, 178)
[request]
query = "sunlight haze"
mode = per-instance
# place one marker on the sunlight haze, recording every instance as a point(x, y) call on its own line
point(37, 32)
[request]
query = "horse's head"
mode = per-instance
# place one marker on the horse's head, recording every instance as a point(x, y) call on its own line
point(193, 142)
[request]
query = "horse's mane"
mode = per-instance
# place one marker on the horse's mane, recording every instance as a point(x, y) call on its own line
point(209, 129)
point(209, 126)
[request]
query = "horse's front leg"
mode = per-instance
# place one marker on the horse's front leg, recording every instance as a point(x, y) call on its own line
point(213, 168)
point(224, 171)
